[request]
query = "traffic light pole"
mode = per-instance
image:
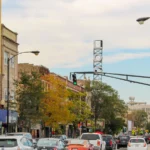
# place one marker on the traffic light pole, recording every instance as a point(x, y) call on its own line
point(115, 76)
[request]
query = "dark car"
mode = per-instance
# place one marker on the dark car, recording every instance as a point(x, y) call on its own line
point(147, 138)
point(50, 144)
point(110, 142)
point(123, 141)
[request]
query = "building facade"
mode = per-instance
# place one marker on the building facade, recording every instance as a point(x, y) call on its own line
point(133, 105)
point(9, 48)
point(28, 68)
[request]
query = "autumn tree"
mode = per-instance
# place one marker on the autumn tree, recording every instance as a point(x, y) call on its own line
point(29, 92)
point(55, 106)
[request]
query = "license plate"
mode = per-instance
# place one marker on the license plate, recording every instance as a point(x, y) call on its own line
point(74, 149)
point(136, 145)
point(43, 149)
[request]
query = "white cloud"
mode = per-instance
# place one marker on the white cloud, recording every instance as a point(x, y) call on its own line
point(64, 30)
point(125, 56)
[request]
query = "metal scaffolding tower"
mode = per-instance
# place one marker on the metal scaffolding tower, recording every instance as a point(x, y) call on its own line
point(97, 60)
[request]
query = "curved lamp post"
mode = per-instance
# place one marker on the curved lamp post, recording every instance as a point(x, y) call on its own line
point(8, 93)
point(141, 20)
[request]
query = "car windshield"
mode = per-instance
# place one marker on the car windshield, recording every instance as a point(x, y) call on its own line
point(8, 142)
point(137, 141)
point(47, 142)
point(90, 137)
point(107, 138)
point(76, 142)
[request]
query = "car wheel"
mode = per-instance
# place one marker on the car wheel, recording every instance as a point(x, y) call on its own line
point(118, 147)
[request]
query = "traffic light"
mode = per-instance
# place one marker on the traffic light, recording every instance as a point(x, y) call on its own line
point(74, 79)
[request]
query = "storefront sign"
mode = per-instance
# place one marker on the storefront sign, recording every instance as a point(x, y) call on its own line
point(13, 116)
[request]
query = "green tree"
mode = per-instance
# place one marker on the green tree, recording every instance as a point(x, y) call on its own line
point(139, 118)
point(107, 105)
point(29, 92)
point(80, 108)
point(148, 126)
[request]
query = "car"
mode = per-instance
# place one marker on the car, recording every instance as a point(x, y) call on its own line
point(122, 141)
point(95, 139)
point(61, 137)
point(76, 144)
point(147, 138)
point(15, 143)
point(26, 134)
point(110, 142)
point(50, 144)
point(137, 143)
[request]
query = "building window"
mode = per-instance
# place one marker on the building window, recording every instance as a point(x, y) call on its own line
point(5, 94)
point(12, 61)
point(5, 58)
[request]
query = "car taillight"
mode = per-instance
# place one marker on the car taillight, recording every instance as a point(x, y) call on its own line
point(110, 143)
point(129, 144)
point(118, 141)
point(144, 145)
point(149, 138)
point(18, 148)
point(98, 143)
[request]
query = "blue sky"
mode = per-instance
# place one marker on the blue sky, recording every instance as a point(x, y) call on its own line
point(64, 31)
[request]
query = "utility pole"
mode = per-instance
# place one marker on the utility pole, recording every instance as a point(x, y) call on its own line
point(1, 36)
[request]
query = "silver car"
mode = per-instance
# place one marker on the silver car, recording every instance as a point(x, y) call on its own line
point(15, 143)
point(26, 134)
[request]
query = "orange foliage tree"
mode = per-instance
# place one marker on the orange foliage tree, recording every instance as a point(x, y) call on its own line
point(55, 105)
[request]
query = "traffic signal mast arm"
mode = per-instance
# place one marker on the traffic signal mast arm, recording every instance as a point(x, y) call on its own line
point(113, 75)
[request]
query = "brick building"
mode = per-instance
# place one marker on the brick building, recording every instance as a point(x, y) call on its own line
point(25, 67)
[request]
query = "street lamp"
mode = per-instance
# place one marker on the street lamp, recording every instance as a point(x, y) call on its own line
point(141, 20)
point(8, 93)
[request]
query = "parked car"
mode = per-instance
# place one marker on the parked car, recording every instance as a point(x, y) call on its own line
point(137, 143)
point(110, 142)
point(95, 139)
point(15, 143)
point(77, 144)
point(61, 137)
point(123, 141)
point(26, 134)
point(49, 144)
point(147, 138)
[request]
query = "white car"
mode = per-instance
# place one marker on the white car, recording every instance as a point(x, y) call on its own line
point(15, 143)
point(96, 139)
point(26, 134)
point(137, 143)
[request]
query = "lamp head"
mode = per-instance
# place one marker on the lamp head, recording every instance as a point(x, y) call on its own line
point(141, 20)
point(35, 52)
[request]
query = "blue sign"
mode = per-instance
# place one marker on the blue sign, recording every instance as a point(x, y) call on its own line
point(13, 116)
